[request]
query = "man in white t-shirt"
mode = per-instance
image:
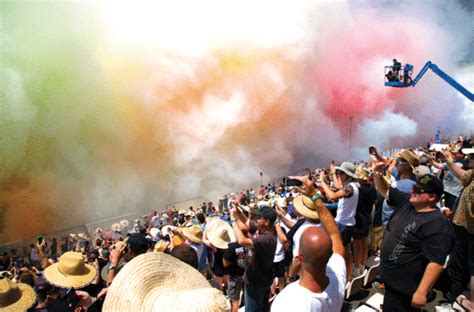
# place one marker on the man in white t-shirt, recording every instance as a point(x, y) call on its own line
point(321, 262)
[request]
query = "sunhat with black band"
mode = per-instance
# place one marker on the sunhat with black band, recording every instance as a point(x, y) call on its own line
point(220, 233)
point(159, 282)
point(305, 206)
point(348, 168)
point(70, 272)
point(15, 296)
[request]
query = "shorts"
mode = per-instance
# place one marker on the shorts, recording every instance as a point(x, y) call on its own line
point(377, 237)
point(346, 233)
point(278, 269)
point(361, 232)
point(234, 287)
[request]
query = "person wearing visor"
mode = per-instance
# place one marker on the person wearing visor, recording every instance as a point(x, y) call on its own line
point(418, 239)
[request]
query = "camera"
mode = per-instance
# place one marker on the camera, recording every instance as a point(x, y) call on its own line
point(292, 182)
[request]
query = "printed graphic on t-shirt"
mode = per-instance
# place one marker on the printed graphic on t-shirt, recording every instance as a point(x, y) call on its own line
point(395, 256)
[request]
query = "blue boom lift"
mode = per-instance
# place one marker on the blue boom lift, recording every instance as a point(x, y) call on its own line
point(400, 77)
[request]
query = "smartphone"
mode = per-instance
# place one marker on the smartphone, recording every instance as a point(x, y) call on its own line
point(292, 182)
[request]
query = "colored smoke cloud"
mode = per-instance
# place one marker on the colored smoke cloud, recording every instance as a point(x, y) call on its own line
point(116, 107)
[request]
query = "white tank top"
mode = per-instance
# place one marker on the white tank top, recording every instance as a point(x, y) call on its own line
point(346, 207)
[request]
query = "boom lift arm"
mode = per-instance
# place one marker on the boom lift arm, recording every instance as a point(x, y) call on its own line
point(407, 82)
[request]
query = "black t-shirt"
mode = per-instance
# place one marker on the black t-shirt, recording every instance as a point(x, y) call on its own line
point(412, 239)
point(365, 203)
point(237, 256)
point(260, 260)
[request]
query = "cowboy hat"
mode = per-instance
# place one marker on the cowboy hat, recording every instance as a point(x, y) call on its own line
point(116, 227)
point(70, 272)
point(124, 223)
point(98, 231)
point(161, 246)
point(348, 168)
point(409, 157)
point(15, 296)
point(305, 206)
point(220, 234)
point(159, 282)
point(193, 233)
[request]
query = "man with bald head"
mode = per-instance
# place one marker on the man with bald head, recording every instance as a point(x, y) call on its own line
point(321, 264)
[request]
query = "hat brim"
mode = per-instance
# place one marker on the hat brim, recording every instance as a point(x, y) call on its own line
point(187, 233)
point(166, 230)
point(353, 175)
point(157, 277)
point(213, 236)
point(305, 207)
point(26, 301)
point(105, 271)
point(58, 279)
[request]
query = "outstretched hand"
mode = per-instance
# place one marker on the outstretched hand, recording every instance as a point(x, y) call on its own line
point(308, 189)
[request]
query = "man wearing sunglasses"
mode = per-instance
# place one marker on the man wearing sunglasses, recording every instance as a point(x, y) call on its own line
point(418, 238)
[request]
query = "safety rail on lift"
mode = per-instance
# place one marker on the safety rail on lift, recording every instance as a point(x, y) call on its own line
point(401, 77)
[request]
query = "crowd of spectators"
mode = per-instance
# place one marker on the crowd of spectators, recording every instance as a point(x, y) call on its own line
point(290, 245)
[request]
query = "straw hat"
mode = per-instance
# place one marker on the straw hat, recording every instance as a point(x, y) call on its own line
point(154, 232)
point(159, 282)
point(193, 233)
point(116, 227)
point(305, 206)
point(124, 223)
point(70, 271)
point(182, 211)
point(15, 296)
point(160, 246)
point(409, 156)
point(98, 231)
point(220, 234)
point(348, 168)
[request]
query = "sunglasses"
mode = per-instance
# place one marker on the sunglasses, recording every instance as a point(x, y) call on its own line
point(401, 162)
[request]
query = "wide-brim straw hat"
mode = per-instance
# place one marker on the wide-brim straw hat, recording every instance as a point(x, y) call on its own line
point(305, 206)
point(193, 233)
point(70, 272)
point(159, 282)
point(348, 168)
point(210, 219)
point(15, 296)
point(98, 231)
point(409, 156)
point(116, 227)
point(124, 223)
point(220, 234)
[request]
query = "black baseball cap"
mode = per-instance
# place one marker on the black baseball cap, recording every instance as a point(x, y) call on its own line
point(430, 184)
point(266, 213)
point(137, 243)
